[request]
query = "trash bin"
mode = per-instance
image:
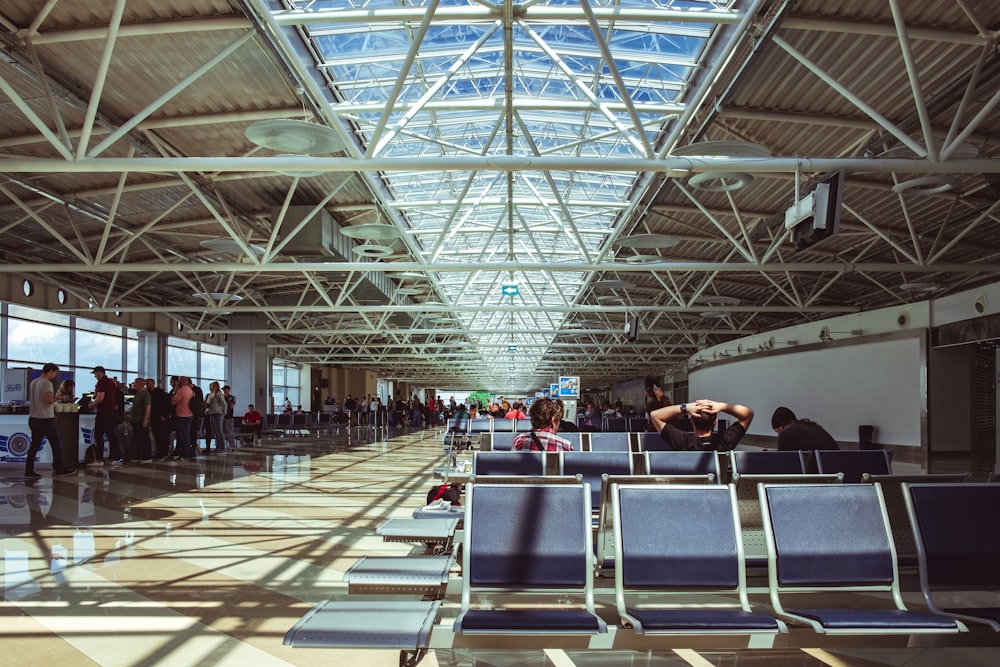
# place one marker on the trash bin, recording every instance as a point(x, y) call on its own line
point(866, 437)
point(68, 427)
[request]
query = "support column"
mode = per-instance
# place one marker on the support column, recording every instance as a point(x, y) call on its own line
point(153, 357)
point(249, 365)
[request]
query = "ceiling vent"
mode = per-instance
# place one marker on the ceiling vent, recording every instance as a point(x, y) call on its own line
point(311, 236)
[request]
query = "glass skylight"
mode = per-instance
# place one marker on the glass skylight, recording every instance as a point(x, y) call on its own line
point(450, 89)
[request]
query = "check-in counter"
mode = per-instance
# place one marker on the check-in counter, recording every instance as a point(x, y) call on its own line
point(15, 438)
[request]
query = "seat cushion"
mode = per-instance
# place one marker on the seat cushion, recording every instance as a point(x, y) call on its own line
point(555, 621)
point(702, 620)
point(876, 619)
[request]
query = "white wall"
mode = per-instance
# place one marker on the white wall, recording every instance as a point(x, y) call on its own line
point(877, 380)
point(874, 370)
point(966, 305)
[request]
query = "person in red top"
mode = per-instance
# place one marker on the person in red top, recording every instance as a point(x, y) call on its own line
point(546, 416)
point(252, 421)
point(105, 407)
point(516, 412)
point(251, 417)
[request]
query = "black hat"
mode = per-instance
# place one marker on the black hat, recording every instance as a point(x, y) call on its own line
point(98, 369)
point(782, 417)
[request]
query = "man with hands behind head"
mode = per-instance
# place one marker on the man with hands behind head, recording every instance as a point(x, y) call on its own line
point(703, 414)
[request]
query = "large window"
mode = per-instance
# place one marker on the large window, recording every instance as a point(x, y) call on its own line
point(201, 362)
point(99, 349)
point(286, 384)
point(36, 337)
point(213, 363)
point(182, 357)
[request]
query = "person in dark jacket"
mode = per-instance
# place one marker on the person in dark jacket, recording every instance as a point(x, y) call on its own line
point(799, 434)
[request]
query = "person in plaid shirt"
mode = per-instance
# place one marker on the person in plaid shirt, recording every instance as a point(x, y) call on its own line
point(546, 415)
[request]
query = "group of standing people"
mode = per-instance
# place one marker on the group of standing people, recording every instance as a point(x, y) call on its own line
point(146, 435)
point(194, 410)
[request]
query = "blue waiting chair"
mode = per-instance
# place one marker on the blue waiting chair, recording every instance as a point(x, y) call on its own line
point(503, 425)
point(605, 540)
point(531, 463)
point(610, 441)
point(853, 463)
point(767, 463)
point(528, 542)
point(957, 530)
point(683, 463)
point(652, 442)
point(591, 466)
point(675, 543)
point(830, 539)
point(895, 508)
point(501, 442)
point(574, 439)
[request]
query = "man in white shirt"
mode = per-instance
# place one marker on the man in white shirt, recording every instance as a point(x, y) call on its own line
point(42, 422)
point(362, 411)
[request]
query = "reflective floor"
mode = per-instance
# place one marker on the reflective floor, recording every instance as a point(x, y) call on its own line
point(210, 563)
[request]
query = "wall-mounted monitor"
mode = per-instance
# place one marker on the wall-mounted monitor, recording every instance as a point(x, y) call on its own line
point(817, 215)
point(569, 387)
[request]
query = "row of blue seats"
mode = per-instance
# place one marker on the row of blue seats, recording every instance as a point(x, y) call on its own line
point(615, 459)
point(745, 469)
point(478, 425)
point(527, 549)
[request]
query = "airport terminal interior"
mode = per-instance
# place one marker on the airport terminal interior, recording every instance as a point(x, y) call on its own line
point(775, 202)
point(211, 563)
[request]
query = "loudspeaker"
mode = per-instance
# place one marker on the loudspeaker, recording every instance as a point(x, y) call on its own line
point(633, 329)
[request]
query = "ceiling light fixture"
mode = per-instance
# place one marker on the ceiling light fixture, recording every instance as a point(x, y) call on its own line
point(294, 136)
point(648, 241)
point(920, 287)
point(717, 300)
point(927, 185)
point(372, 250)
point(217, 297)
point(721, 181)
point(372, 231)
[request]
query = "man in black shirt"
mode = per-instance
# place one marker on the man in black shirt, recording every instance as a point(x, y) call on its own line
point(703, 415)
point(159, 419)
point(799, 434)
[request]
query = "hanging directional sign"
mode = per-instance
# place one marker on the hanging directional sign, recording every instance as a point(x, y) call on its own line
point(509, 290)
point(512, 348)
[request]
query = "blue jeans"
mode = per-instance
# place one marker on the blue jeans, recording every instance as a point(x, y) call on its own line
point(183, 430)
point(215, 421)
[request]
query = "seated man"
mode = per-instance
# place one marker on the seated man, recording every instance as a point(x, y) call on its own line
point(252, 420)
point(546, 417)
point(799, 434)
point(703, 414)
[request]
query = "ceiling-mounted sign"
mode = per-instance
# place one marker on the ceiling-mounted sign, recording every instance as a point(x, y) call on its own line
point(509, 290)
point(512, 348)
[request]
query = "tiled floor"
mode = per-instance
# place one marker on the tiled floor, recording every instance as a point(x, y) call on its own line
point(210, 563)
